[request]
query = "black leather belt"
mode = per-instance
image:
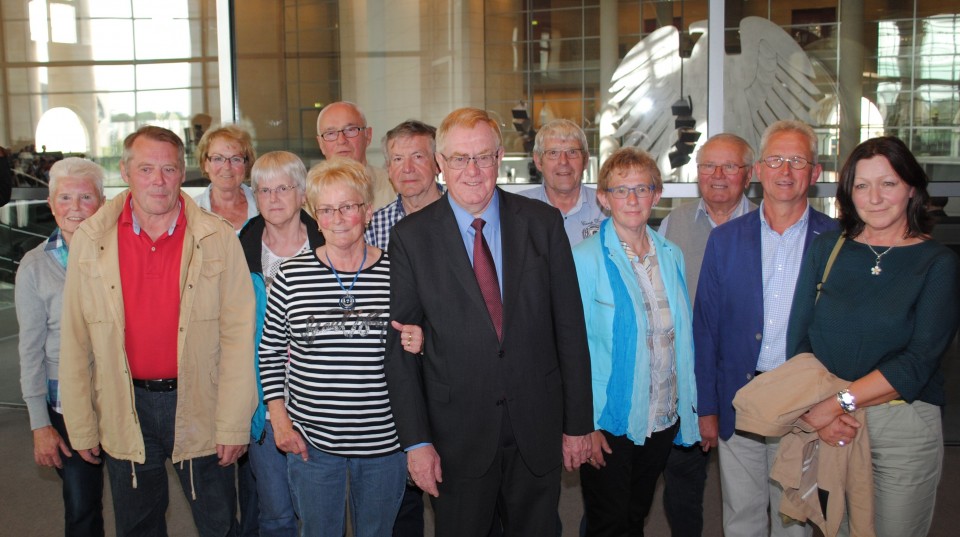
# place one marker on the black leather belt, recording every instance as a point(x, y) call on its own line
point(156, 385)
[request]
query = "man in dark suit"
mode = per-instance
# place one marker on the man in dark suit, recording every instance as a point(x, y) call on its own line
point(501, 396)
point(747, 279)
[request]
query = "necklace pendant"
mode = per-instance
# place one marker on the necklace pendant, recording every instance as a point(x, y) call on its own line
point(876, 270)
point(348, 302)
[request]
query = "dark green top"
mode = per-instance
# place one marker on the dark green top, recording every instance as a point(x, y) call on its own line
point(899, 322)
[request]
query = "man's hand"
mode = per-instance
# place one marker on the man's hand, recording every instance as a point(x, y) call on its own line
point(423, 464)
point(598, 446)
point(576, 451)
point(823, 413)
point(90, 455)
point(47, 446)
point(709, 432)
point(229, 454)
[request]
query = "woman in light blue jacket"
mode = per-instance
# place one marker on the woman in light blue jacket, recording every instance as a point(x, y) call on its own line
point(639, 328)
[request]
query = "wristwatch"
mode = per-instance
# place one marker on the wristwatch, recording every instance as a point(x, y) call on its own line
point(848, 403)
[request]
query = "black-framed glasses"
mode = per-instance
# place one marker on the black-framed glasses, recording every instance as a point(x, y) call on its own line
point(347, 209)
point(640, 191)
point(775, 161)
point(280, 190)
point(460, 162)
point(709, 168)
point(348, 132)
point(220, 160)
point(571, 154)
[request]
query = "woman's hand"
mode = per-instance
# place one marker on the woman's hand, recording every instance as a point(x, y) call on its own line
point(841, 431)
point(47, 447)
point(823, 413)
point(411, 336)
point(599, 446)
point(288, 439)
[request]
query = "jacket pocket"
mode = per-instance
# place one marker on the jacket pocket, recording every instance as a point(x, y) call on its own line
point(206, 304)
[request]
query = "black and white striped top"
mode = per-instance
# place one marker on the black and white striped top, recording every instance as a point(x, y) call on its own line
point(337, 389)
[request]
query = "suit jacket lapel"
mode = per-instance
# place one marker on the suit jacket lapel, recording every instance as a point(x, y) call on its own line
point(513, 239)
point(753, 260)
point(447, 238)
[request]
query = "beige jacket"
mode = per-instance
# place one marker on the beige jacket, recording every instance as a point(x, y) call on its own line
point(216, 394)
point(810, 471)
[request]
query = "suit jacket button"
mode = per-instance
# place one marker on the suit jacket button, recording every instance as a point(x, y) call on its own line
point(749, 377)
point(759, 336)
point(500, 354)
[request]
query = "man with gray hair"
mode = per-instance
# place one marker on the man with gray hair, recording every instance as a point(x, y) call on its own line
point(747, 279)
point(410, 149)
point(342, 131)
point(560, 153)
point(724, 169)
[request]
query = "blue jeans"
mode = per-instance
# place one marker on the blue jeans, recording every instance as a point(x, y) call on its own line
point(319, 485)
point(140, 509)
point(269, 465)
point(82, 489)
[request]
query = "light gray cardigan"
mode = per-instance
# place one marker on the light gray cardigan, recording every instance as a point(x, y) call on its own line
point(39, 298)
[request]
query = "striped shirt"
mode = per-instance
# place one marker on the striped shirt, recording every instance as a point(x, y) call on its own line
point(337, 388)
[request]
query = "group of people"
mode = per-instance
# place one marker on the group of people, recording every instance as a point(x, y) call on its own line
point(358, 336)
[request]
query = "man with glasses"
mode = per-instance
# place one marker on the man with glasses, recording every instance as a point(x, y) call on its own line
point(501, 396)
point(724, 168)
point(744, 296)
point(342, 131)
point(560, 153)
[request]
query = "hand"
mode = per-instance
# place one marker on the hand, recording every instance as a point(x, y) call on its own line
point(47, 446)
point(598, 446)
point(423, 464)
point(288, 439)
point(709, 432)
point(576, 451)
point(842, 429)
point(229, 454)
point(411, 336)
point(90, 455)
point(823, 413)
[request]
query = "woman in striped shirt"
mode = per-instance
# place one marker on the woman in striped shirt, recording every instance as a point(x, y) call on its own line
point(321, 365)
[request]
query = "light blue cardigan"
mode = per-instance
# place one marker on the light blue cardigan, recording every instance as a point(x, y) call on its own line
point(597, 295)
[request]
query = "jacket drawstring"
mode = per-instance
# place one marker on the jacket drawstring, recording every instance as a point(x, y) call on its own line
point(133, 474)
point(193, 490)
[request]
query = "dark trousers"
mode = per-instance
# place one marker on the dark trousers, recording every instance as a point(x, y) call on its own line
point(82, 489)
point(685, 477)
point(617, 497)
point(527, 502)
point(249, 501)
point(409, 521)
point(140, 494)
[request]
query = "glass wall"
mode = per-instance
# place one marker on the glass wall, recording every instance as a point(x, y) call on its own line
point(78, 76)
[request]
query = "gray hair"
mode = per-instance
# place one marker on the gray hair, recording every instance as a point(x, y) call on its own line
point(76, 167)
point(276, 164)
point(409, 129)
point(747, 154)
point(790, 125)
point(559, 129)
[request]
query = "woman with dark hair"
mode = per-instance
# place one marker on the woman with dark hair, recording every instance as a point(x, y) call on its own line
point(887, 310)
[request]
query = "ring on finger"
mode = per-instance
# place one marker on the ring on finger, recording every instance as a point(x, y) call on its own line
point(841, 443)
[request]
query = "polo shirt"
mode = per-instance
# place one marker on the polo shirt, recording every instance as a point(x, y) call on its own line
point(150, 281)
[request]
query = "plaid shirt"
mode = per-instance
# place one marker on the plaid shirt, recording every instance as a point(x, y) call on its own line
point(378, 234)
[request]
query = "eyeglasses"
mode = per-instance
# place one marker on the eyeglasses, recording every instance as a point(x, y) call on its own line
point(348, 132)
point(727, 169)
point(280, 190)
point(554, 154)
point(640, 191)
point(349, 209)
point(220, 160)
point(460, 162)
point(796, 163)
